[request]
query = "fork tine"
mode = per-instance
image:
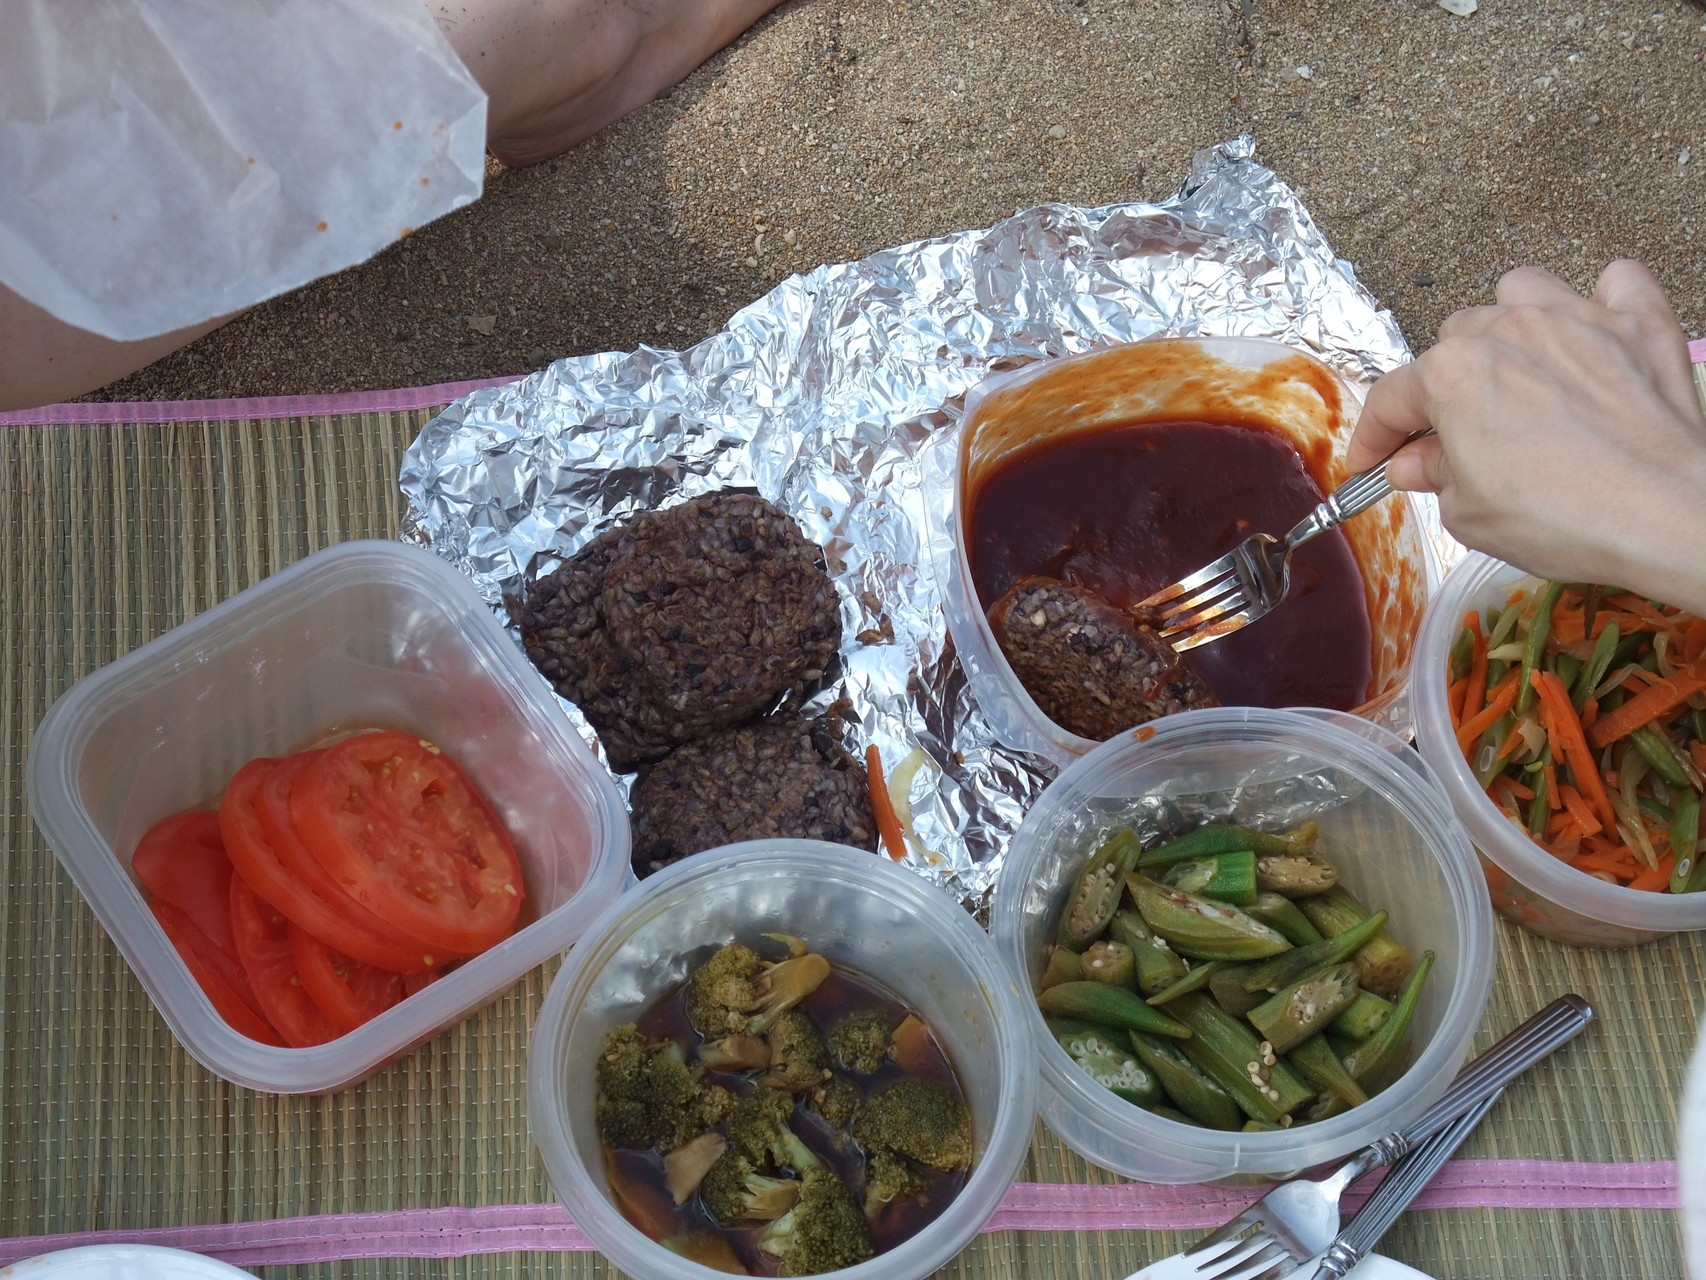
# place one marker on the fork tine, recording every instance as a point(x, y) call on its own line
point(1232, 1230)
point(1213, 629)
point(1208, 573)
point(1199, 598)
point(1227, 593)
point(1251, 1263)
point(1230, 603)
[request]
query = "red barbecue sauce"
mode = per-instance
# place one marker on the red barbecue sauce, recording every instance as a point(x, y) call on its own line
point(1126, 509)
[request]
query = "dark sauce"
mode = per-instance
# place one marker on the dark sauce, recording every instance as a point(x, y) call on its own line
point(637, 1176)
point(1127, 509)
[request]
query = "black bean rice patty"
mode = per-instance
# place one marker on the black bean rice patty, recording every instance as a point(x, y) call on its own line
point(1091, 667)
point(721, 607)
point(782, 776)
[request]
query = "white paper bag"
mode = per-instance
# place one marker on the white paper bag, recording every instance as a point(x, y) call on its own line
point(163, 162)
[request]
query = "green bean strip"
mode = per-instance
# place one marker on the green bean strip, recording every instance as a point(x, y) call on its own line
point(1539, 808)
point(1684, 837)
point(1649, 743)
point(1535, 645)
point(1568, 667)
point(1462, 653)
point(1505, 627)
point(1597, 665)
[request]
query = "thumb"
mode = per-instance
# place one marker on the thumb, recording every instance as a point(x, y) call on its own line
point(1418, 467)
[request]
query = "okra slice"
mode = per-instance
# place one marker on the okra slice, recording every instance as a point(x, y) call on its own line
point(1262, 1126)
point(1078, 1037)
point(1228, 877)
point(1064, 965)
point(1378, 1051)
point(1195, 980)
point(1205, 842)
point(1288, 967)
point(1316, 1062)
point(1096, 892)
point(1299, 1011)
point(1227, 1051)
point(1279, 912)
point(1295, 875)
point(1109, 1006)
point(1364, 1017)
point(1173, 1114)
point(1108, 961)
point(1205, 1102)
point(1200, 928)
point(1115, 1070)
point(1158, 965)
point(1382, 962)
point(1227, 988)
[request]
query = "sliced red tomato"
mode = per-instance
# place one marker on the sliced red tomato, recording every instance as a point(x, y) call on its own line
point(263, 945)
point(294, 883)
point(216, 973)
point(181, 859)
point(401, 829)
point(347, 991)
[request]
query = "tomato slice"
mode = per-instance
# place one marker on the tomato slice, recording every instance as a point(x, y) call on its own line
point(276, 866)
point(216, 973)
point(347, 991)
point(263, 945)
point(181, 860)
point(403, 831)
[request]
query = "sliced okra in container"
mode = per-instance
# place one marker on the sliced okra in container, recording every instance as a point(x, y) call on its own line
point(1078, 1037)
point(1316, 1062)
point(1227, 877)
point(1289, 966)
point(1195, 980)
point(1295, 875)
point(1382, 962)
point(1227, 1051)
point(1174, 1114)
point(1201, 928)
point(1096, 892)
point(1367, 1013)
point(1158, 965)
point(1226, 985)
point(1122, 1074)
point(1109, 1006)
point(1206, 842)
point(1064, 965)
point(1109, 961)
point(1190, 1090)
point(1298, 1011)
point(1369, 1060)
point(1279, 912)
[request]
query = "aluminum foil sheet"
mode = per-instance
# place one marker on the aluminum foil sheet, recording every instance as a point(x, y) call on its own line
point(837, 396)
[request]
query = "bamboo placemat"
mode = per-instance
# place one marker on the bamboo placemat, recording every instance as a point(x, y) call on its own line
point(113, 532)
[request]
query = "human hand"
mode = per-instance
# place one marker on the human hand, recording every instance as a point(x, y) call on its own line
point(1570, 440)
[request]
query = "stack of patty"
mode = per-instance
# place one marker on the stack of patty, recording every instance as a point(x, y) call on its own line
point(681, 628)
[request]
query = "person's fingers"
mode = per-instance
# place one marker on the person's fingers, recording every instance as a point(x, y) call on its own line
point(1626, 286)
point(1468, 323)
point(1396, 409)
point(1418, 466)
point(1536, 287)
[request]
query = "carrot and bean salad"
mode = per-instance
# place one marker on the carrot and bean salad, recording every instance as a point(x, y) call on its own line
point(1582, 711)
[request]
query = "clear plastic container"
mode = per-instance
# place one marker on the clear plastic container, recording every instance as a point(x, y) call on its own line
point(359, 635)
point(1169, 379)
point(856, 909)
point(1528, 885)
point(1394, 841)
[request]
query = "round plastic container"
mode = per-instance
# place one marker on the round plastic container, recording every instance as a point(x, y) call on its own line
point(1528, 885)
point(1396, 845)
point(360, 635)
point(854, 908)
point(1169, 379)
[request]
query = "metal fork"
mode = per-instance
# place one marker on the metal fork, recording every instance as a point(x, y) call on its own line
point(1254, 576)
point(1296, 1220)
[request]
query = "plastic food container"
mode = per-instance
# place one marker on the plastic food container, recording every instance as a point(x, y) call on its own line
point(362, 634)
point(857, 910)
point(1172, 379)
point(1395, 843)
point(1528, 885)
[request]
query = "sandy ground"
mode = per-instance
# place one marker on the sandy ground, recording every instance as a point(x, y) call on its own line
point(1436, 151)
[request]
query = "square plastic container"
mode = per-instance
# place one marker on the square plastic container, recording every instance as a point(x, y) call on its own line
point(1397, 847)
point(856, 909)
point(1173, 379)
point(1528, 885)
point(364, 634)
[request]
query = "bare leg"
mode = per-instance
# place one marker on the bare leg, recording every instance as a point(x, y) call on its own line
point(558, 71)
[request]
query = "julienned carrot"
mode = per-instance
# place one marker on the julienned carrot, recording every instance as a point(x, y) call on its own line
point(1553, 799)
point(1694, 640)
point(1649, 704)
point(1504, 697)
point(1566, 733)
point(882, 805)
point(1655, 878)
point(1477, 688)
point(1599, 862)
point(1579, 810)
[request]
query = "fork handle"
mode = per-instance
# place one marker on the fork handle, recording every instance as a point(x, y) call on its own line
point(1352, 498)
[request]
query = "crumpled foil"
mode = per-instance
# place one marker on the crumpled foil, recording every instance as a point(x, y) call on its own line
point(836, 396)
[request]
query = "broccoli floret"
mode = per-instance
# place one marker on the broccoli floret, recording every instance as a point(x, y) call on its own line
point(647, 1096)
point(737, 992)
point(825, 1231)
point(758, 1130)
point(836, 1099)
point(798, 1057)
point(733, 1189)
point(917, 1118)
point(860, 1041)
point(888, 1178)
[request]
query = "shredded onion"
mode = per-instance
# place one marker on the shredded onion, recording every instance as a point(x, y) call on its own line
point(1616, 678)
point(1506, 653)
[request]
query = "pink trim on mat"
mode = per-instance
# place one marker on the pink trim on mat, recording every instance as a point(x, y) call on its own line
point(1697, 351)
point(454, 1231)
point(391, 401)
